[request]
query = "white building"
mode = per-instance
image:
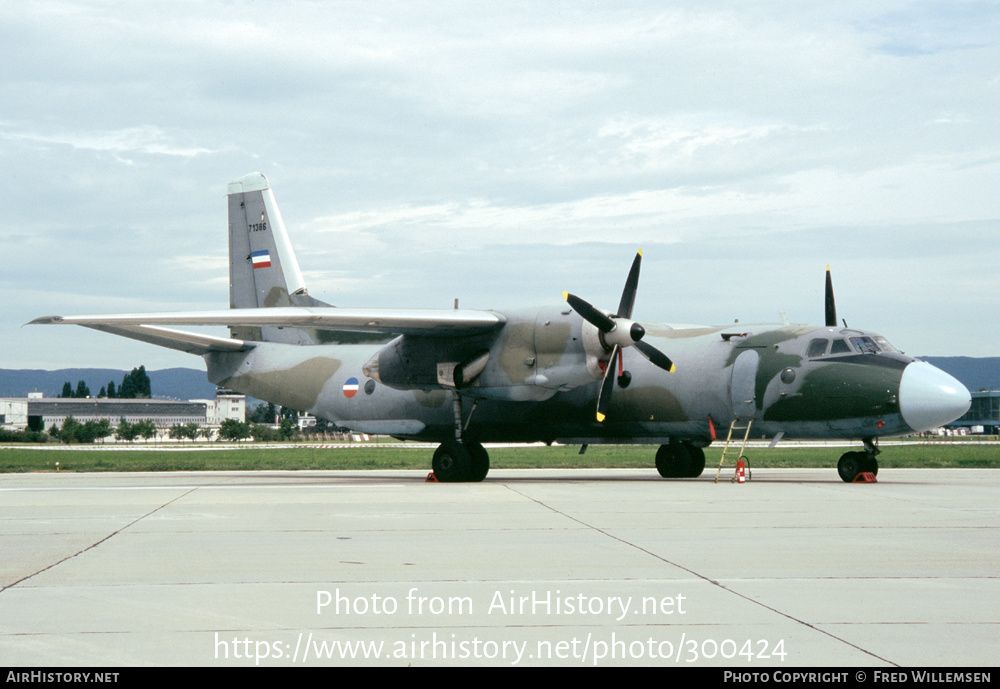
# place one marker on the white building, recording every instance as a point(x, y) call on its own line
point(37, 412)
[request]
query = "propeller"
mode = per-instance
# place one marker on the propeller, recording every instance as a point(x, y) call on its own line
point(831, 306)
point(618, 331)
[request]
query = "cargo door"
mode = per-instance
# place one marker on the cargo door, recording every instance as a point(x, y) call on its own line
point(744, 384)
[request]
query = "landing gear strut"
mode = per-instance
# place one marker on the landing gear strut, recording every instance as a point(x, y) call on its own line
point(853, 463)
point(457, 460)
point(680, 460)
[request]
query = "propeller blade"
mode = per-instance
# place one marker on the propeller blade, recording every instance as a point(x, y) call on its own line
point(604, 399)
point(589, 313)
point(655, 356)
point(831, 306)
point(619, 331)
point(631, 285)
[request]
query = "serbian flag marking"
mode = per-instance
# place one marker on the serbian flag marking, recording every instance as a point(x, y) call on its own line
point(261, 259)
point(351, 388)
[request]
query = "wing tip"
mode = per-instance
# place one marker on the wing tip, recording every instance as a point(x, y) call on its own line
point(45, 320)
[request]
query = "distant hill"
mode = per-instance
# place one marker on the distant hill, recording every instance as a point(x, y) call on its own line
point(169, 383)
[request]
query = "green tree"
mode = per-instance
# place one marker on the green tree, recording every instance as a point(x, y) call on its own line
point(287, 430)
point(97, 430)
point(231, 429)
point(126, 431)
point(91, 431)
point(136, 385)
point(70, 430)
point(82, 391)
point(192, 430)
point(263, 433)
point(263, 413)
point(67, 390)
point(112, 394)
point(146, 429)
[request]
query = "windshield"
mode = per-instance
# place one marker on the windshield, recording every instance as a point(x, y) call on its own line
point(865, 345)
point(856, 344)
point(884, 344)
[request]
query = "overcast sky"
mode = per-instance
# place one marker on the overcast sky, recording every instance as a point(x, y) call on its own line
point(503, 152)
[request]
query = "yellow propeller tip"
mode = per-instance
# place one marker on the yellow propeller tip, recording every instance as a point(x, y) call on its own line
point(640, 252)
point(600, 417)
point(672, 368)
point(565, 295)
point(828, 267)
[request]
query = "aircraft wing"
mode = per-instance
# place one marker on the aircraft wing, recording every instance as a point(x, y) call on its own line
point(403, 321)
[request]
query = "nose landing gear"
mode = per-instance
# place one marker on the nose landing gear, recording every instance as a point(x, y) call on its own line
point(853, 463)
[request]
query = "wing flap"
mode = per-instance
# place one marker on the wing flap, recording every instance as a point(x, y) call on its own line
point(192, 343)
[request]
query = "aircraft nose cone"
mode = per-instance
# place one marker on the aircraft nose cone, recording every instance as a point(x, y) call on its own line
point(930, 398)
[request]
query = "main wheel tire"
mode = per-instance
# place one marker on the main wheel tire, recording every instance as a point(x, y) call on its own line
point(451, 462)
point(696, 465)
point(850, 465)
point(673, 461)
point(479, 461)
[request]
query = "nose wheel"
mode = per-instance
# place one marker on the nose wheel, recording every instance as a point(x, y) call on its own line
point(853, 463)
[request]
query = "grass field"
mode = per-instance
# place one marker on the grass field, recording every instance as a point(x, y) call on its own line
point(401, 456)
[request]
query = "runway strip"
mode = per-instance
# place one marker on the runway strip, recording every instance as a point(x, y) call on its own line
point(531, 567)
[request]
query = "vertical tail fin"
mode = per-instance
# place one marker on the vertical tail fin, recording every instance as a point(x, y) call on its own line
point(263, 270)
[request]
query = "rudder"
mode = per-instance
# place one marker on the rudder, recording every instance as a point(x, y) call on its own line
point(263, 270)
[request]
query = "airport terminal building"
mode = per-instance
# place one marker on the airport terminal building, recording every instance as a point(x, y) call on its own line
point(984, 414)
point(37, 412)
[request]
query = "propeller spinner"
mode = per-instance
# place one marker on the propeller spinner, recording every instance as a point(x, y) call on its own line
point(618, 331)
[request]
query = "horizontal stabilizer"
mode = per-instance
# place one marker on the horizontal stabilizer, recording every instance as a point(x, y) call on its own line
point(403, 321)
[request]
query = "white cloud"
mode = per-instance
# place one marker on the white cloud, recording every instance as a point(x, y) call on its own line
point(144, 140)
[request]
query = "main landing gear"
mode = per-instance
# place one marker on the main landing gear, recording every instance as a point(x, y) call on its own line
point(680, 460)
point(853, 463)
point(460, 462)
point(457, 460)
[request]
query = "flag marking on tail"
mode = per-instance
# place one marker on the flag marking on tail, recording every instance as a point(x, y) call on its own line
point(261, 259)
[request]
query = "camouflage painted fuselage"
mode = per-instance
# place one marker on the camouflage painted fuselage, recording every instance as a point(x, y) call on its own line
point(542, 378)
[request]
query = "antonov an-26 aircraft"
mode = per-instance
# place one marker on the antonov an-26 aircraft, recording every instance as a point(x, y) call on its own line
point(570, 373)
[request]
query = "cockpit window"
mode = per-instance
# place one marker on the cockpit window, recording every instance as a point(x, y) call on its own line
point(884, 344)
point(865, 345)
point(817, 348)
point(840, 347)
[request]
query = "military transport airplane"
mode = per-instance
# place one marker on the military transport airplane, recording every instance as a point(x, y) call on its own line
point(571, 374)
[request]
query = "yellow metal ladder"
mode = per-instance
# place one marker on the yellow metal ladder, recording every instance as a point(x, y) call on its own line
point(736, 425)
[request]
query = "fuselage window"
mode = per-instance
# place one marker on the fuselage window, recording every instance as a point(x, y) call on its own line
point(817, 348)
point(840, 347)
